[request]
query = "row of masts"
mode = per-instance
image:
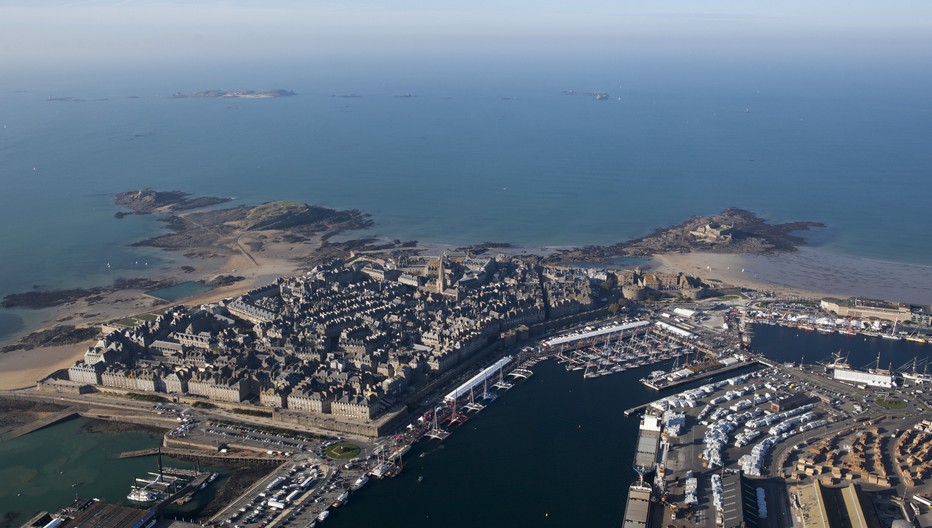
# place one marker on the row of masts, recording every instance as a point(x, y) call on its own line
point(616, 355)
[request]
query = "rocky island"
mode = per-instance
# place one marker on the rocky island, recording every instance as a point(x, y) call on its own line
point(56, 336)
point(39, 298)
point(148, 201)
point(221, 231)
point(734, 231)
point(234, 94)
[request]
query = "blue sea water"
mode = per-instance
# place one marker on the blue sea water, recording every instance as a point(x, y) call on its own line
point(482, 152)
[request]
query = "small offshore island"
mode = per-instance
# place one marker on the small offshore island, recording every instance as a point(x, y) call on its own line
point(234, 94)
point(329, 370)
point(733, 231)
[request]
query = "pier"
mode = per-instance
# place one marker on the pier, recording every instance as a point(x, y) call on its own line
point(39, 424)
point(201, 455)
point(637, 409)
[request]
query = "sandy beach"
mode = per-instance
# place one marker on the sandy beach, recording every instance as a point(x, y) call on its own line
point(22, 368)
point(809, 272)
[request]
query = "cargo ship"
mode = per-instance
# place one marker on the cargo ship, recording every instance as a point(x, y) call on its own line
point(638, 507)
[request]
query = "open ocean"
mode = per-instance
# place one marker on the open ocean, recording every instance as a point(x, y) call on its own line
point(479, 153)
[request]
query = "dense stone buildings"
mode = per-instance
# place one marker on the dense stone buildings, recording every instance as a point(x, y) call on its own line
point(347, 339)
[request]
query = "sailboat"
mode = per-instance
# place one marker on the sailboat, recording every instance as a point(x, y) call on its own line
point(915, 337)
point(892, 335)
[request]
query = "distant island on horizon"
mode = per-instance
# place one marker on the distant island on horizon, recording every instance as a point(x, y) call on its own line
point(234, 94)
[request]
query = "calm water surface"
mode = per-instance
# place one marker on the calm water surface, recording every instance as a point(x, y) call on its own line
point(555, 450)
point(481, 153)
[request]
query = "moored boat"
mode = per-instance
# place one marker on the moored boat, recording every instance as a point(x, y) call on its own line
point(141, 495)
point(360, 482)
point(341, 500)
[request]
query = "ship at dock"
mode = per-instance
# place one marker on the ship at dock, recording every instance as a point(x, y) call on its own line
point(914, 376)
point(640, 494)
point(142, 495)
point(360, 482)
point(638, 506)
point(645, 454)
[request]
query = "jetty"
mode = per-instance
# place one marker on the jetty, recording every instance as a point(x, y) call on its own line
point(39, 424)
point(201, 455)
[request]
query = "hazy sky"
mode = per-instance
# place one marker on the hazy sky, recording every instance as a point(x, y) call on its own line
point(36, 31)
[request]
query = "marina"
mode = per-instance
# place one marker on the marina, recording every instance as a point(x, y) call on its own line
point(614, 349)
point(447, 422)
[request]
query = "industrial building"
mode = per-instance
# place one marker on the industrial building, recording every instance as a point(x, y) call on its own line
point(877, 378)
point(608, 330)
point(825, 507)
point(792, 402)
point(863, 308)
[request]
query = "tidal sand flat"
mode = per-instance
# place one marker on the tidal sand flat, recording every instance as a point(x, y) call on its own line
point(809, 272)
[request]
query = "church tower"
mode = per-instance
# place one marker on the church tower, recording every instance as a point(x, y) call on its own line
point(441, 276)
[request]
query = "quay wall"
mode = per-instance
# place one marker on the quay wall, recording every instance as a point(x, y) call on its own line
point(138, 419)
point(325, 424)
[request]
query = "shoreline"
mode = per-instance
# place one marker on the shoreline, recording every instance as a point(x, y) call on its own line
point(791, 273)
point(262, 256)
point(808, 272)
